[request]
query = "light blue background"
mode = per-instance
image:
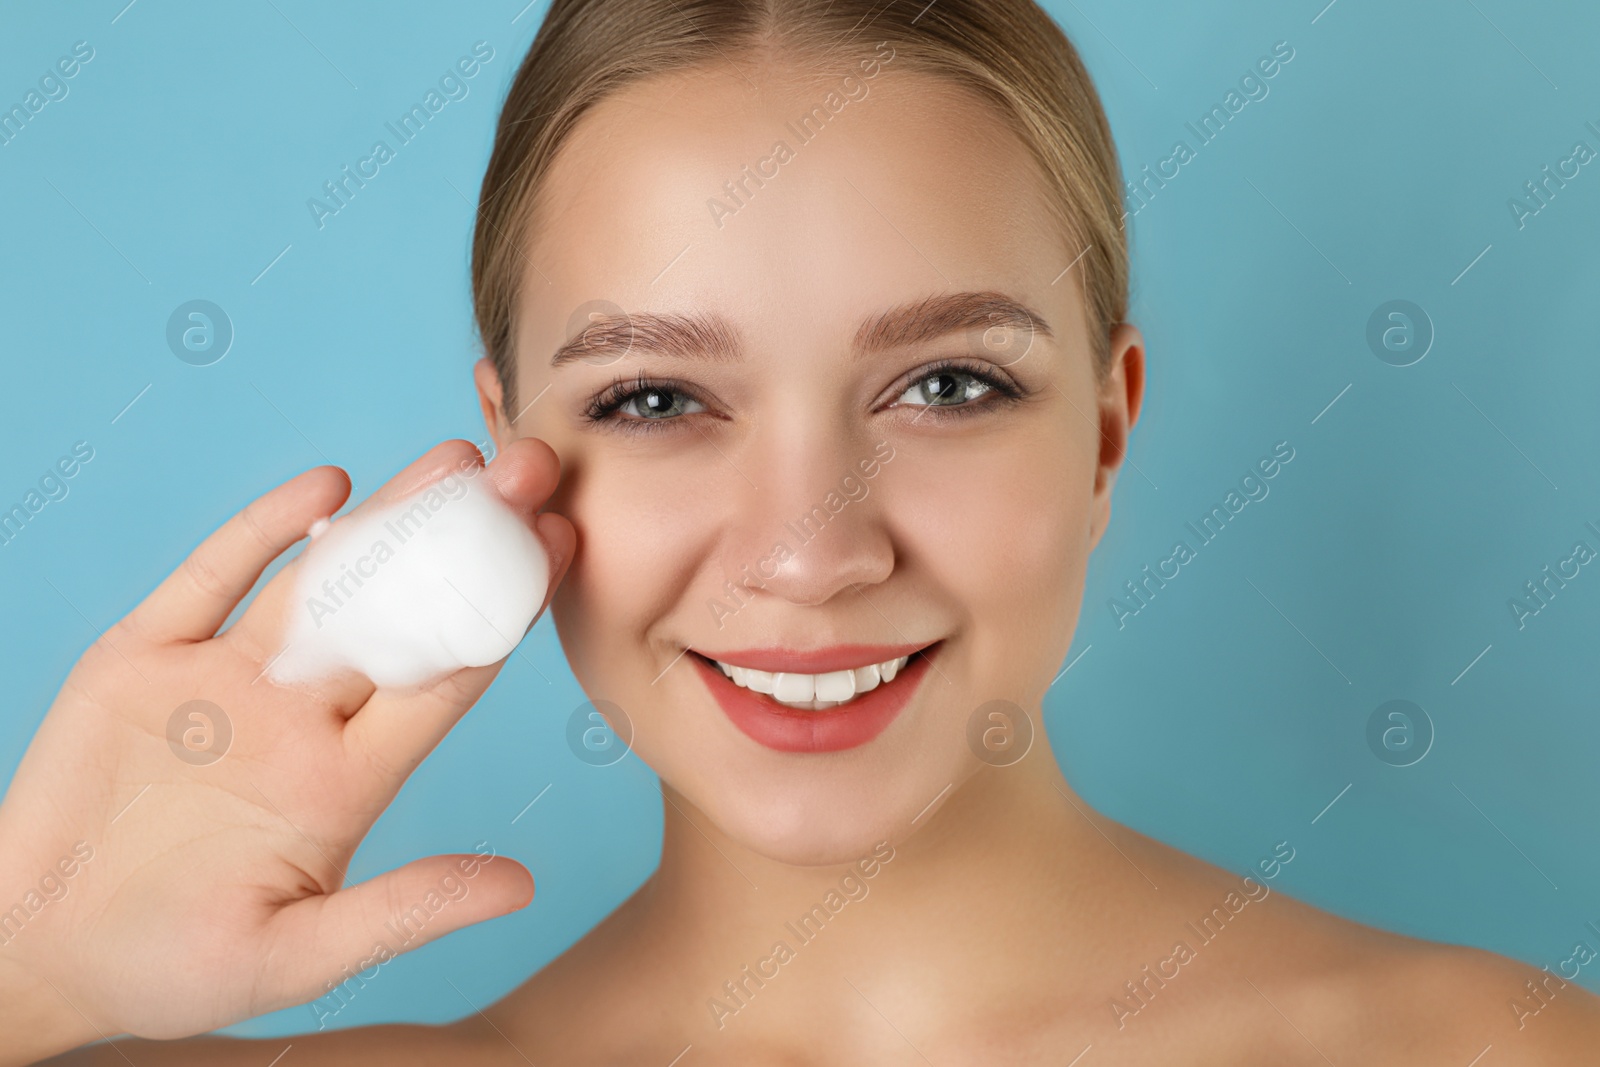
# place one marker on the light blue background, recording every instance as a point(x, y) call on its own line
point(1223, 718)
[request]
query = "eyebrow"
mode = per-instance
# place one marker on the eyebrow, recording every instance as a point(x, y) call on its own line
point(610, 337)
point(937, 316)
point(709, 337)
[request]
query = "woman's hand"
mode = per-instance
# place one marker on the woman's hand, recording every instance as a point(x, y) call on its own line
point(148, 887)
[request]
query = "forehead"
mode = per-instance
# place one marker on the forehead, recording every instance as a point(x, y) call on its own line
point(793, 213)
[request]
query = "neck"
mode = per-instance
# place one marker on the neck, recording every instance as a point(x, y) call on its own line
point(1007, 877)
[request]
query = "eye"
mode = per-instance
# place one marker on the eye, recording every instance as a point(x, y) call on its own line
point(641, 404)
point(946, 388)
point(658, 403)
point(955, 388)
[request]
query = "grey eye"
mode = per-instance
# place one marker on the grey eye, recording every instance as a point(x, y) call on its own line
point(659, 404)
point(945, 389)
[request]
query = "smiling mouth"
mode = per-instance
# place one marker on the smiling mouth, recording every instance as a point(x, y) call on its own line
point(813, 692)
point(821, 700)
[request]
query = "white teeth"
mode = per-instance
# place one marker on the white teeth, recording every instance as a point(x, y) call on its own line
point(815, 691)
point(794, 688)
point(745, 678)
point(836, 685)
point(867, 678)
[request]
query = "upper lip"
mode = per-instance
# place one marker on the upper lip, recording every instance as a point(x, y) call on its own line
point(812, 661)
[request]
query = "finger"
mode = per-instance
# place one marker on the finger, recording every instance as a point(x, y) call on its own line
point(396, 730)
point(525, 474)
point(332, 938)
point(439, 461)
point(194, 600)
point(560, 539)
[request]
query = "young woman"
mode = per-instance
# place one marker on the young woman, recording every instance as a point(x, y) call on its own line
point(807, 361)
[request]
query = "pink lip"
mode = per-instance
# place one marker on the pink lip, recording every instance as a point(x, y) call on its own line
point(786, 729)
point(815, 661)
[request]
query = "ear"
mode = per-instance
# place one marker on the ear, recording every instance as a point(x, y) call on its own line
point(490, 395)
point(1121, 397)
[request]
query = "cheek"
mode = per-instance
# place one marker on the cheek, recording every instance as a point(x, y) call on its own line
point(1044, 546)
point(643, 530)
point(1005, 533)
point(997, 522)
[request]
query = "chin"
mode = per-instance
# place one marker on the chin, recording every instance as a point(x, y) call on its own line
point(800, 833)
point(811, 811)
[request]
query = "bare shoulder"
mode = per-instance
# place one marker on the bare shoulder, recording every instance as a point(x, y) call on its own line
point(1494, 1007)
point(1382, 998)
point(1296, 983)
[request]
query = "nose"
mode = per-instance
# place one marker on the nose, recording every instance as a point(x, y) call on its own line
point(811, 523)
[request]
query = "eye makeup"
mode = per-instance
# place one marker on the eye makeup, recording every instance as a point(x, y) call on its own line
point(959, 387)
point(644, 399)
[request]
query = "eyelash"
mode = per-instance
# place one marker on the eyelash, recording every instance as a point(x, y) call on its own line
point(1003, 389)
point(603, 409)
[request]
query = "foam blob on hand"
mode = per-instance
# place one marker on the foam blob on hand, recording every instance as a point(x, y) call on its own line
point(408, 592)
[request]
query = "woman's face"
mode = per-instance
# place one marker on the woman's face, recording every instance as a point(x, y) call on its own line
point(850, 416)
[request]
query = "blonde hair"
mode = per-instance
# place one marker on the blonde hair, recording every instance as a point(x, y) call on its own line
point(1010, 52)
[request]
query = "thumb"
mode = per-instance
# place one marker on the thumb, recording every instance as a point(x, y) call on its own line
point(326, 940)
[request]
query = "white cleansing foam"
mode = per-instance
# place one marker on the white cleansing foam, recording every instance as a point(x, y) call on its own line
point(408, 592)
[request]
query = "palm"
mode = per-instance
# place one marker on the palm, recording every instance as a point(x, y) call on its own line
point(216, 885)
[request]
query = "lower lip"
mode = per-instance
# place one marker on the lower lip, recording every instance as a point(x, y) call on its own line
point(788, 729)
